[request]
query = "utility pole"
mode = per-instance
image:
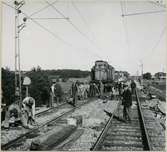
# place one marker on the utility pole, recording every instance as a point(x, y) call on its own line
point(137, 75)
point(18, 28)
point(141, 72)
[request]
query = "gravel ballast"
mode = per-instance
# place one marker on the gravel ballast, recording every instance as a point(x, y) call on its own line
point(94, 120)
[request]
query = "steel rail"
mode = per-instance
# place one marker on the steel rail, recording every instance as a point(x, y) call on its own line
point(146, 139)
point(104, 131)
point(12, 142)
point(45, 111)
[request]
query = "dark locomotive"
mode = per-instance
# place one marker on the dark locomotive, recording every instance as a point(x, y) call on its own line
point(102, 71)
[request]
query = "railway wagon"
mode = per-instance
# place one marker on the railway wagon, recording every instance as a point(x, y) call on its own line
point(102, 71)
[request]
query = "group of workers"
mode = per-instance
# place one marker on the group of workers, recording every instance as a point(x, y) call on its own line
point(119, 91)
point(24, 114)
point(20, 114)
point(82, 91)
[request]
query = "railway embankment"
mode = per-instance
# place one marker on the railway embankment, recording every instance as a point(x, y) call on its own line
point(154, 111)
point(93, 122)
point(10, 134)
point(59, 125)
point(144, 132)
point(156, 104)
point(156, 88)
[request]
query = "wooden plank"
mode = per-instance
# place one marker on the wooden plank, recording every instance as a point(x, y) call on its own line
point(52, 138)
point(69, 141)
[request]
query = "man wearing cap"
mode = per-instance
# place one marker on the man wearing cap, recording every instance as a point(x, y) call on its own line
point(133, 86)
point(74, 92)
point(120, 87)
point(126, 102)
point(58, 93)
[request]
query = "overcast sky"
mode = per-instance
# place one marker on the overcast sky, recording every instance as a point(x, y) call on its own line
point(103, 34)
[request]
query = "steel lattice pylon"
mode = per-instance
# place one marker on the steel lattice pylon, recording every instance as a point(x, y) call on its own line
point(18, 75)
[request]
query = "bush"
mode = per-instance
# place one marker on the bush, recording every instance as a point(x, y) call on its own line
point(40, 86)
point(8, 86)
point(147, 76)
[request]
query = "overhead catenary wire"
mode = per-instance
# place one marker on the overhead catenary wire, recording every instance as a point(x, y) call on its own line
point(83, 20)
point(42, 9)
point(86, 24)
point(53, 18)
point(123, 11)
point(150, 12)
point(144, 13)
point(10, 1)
point(153, 49)
point(53, 34)
point(157, 4)
point(81, 16)
point(161, 34)
point(74, 26)
point(125, 14)
point(95, 54)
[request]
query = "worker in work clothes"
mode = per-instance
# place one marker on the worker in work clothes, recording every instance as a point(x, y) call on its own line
point(28, 112)
point(120, 88)
point(96, 91)
point(74, 92)
point(127, 103)
point(52, 94)
point(12, 115)
point(58, 93)
point(133, 86)
point(101, 89)
point(91, 90)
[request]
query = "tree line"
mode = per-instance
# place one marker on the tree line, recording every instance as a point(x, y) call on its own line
point(149, 76)
point(40, 83)
point(68, 73)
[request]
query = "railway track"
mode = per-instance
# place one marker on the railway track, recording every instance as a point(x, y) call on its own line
point(49, 110)
point(19, 139)
point(120, 136)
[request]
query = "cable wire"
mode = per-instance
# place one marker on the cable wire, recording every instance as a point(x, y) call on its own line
point(157, 43)
point(43, 8)
point(49, 18)
point(157, 4)
point(80, 14)
point(84, 35)
point(74, 26)
point(85, 22)
point(123, 9)
point(53, 34)
point(143, 13)
point(56, 36)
